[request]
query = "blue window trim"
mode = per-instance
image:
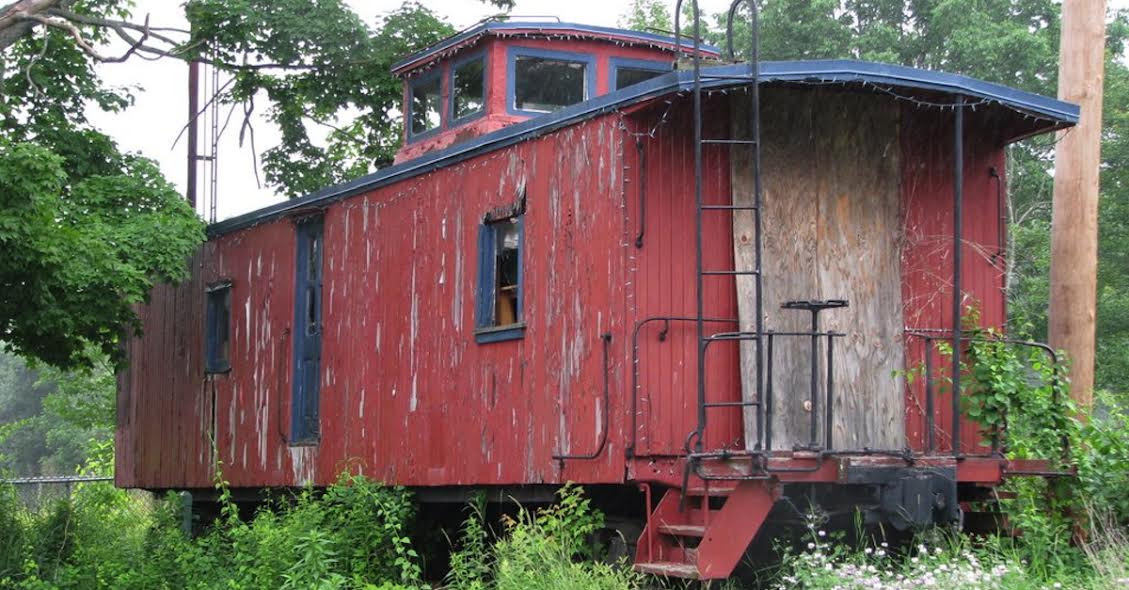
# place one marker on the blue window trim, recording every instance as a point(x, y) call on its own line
point(213, 364)
point(615, 63)
point(484, 329)
point(428, 77)
point(515, 51)
point(482, 55)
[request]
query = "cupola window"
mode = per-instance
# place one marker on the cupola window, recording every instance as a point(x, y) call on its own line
point(468, 87)
point(545, 81)
point(426, 104)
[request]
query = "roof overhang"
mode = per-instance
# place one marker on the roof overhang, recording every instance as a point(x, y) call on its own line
point(1046, 114)
point(546, 30)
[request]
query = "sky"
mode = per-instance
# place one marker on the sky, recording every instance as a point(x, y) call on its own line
point(152, 125)
point(159, 114)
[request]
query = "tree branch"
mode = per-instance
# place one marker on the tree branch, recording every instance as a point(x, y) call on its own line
point(82, 43)
point(18, 19)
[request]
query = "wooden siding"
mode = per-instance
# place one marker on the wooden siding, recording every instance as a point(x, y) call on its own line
point(409, 397)
point(663, 280)
point(927, 257)
point(406, 393)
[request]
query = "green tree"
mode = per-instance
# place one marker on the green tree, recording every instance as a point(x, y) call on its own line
point(54, 421)
point(326, 65)
point(647, 15)
point(88, 230)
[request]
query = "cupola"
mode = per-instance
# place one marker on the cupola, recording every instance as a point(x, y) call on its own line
point(498, 73)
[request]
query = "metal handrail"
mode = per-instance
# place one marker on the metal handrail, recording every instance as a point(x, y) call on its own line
point(932, 335)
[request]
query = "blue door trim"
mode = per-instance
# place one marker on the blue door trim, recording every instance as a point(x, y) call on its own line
point(307, 330)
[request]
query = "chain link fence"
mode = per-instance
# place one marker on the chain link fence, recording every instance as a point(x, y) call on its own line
point(38, 492)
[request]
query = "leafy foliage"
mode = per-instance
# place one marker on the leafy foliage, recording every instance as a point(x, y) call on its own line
point(85, 229)
point(353, 535)
point(542, 548)
point(647, 15)
point(329, 66)
point(470, 567)
point(80, 253)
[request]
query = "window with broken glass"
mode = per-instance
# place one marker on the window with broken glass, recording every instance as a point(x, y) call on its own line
point(499, 305)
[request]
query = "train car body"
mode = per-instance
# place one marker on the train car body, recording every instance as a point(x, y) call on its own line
point(515, 301)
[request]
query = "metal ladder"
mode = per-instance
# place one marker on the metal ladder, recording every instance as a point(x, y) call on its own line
point(695, 441)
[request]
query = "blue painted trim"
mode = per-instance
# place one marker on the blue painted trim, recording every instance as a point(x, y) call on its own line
point(615, 63)
point(548, 29)
point(484, 329)
point(514, 332)
point(215, 296)
point(454, 121)
point(424, 79)
point(484, 290)
point(1059, 114)
point(521, 269)
point(515, 51)
point(300, 431)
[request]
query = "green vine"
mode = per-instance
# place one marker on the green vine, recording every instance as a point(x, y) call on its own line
point(1016, 393)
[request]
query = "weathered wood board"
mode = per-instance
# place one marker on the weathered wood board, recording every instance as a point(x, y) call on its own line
point(832, 230)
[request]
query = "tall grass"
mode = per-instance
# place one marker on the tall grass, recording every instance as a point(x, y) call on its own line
point(353, 535)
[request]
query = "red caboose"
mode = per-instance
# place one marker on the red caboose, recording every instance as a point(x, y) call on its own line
point(688, 287)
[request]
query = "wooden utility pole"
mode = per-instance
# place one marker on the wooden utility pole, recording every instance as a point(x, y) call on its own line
point(1074, 225)
point(193, 146)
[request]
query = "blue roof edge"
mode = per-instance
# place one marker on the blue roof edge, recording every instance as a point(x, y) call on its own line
point(1057, 113)
point(488, 27)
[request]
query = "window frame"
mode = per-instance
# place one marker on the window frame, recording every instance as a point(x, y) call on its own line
point(436, 75)
point(485, 331)
point(214, 364)
point(616, 63)
point(515, 51)
point(477, 55)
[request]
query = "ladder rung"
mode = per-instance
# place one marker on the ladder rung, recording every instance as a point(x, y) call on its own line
point(729, 207)
point(730, 272)
point(730, 404)
point(731, 141)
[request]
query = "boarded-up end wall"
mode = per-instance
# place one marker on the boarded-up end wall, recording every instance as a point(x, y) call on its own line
point(832, 230)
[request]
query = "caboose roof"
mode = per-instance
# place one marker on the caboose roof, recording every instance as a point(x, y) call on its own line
point(1038, 113)
point(549, 30)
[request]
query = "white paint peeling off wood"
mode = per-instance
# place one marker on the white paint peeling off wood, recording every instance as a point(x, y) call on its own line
point(414, 335)
point(457, 309)
point(303, 463)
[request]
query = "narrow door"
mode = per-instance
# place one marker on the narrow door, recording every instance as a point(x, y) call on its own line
point(307, 332)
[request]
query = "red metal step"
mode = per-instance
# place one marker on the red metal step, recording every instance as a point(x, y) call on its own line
point(715, 489)
point(722, 534)
point(683, 530)
point(669, 569)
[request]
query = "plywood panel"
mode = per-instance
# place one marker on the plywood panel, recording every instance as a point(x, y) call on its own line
point(832, 230)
